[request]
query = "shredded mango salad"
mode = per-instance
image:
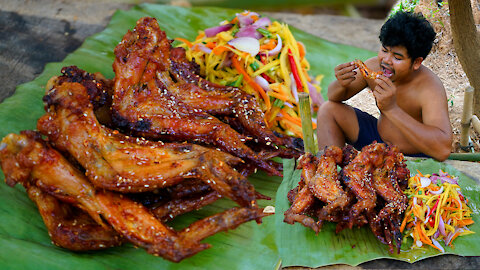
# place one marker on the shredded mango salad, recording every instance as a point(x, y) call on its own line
point(262, 58)
point(437, 211)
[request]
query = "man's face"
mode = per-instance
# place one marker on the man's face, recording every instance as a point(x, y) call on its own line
point(395, 62)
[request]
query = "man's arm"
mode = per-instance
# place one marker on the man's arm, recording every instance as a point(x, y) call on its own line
point(433, 137)
point(348, 83)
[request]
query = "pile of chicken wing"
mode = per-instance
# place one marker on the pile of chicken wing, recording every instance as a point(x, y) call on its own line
point(352, 188)
point(115, 160)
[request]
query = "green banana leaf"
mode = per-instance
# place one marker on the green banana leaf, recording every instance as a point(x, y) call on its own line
point(299, 245)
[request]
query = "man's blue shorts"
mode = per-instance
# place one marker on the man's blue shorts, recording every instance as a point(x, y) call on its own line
point(368, 132)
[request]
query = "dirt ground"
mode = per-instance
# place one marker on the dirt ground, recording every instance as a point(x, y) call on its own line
point(444, 62)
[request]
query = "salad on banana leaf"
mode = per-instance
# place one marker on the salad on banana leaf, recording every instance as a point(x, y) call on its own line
point(260, 57)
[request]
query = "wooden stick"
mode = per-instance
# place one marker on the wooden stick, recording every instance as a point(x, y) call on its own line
point(476, 123)
point(307, 128)
point(466, 117)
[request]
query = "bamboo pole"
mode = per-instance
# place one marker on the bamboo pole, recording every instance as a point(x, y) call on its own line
point(466, 118)
point(307, 128)
point(476, 123)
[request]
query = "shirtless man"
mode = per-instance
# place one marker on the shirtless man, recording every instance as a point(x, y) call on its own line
point(410, 97)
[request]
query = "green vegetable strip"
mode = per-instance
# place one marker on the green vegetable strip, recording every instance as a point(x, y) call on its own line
point(265, 33)
point(237, 82)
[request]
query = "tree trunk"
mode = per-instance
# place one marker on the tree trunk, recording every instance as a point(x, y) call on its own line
point(466, 40)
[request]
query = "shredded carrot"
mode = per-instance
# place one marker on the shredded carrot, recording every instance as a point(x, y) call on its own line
point(200, 35)
point(301, 50)
point(189, 44)
point(238, 66)
point(454, 236)
point(270, 45)
point(404, 222)
point(294, 128)
point(465, 222)
point(220, 49)
point(211, 45)
point(290, 118)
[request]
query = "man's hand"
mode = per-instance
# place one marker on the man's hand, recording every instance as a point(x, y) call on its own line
point(345, 73)
point(385, 93)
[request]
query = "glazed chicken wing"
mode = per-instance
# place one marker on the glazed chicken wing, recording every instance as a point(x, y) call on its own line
point(70, 227)
point(126, 164)
point(357, 176)
point(320, 182)
point(385, 181)
point(29, 160)
point(220, 100)
point(151, 102)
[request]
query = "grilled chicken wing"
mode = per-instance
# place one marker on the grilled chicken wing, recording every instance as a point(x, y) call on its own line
point(44, 167)
point(126, 164)
point(385, 181)
point(29, 160)
point(149, 101)
point(325, 184)
point(70, 227)
point(220, 100)
point(357, 175)
point(321, 181)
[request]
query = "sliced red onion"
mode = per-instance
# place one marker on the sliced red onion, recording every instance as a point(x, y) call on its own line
point(227, 61)
point(447, 239)
point(277, 48)
point(263, 83)
point(444, 178)
point(244, 20)
point(437, 244)
point(202, 47)
point(459, 203)
point(429, 214)
point(441, 227)
point(451, 234)
point(262, 22)
point(425, 182)
point(414, 200)
point(288, 104)
point(294, 87)
point(442, 173)
point(249, 31)
point(437, 191)
point(213, 31)
point(246, 44)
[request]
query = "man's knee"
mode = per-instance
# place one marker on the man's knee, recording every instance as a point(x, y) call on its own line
point(328, 109)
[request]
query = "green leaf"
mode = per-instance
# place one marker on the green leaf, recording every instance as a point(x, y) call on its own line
point(24, 239)
point(299, 245)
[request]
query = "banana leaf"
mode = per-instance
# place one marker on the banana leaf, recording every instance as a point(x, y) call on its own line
point(24, 241)
point(299, 245)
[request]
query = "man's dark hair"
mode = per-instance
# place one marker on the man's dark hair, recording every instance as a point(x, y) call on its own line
point(411, 30)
